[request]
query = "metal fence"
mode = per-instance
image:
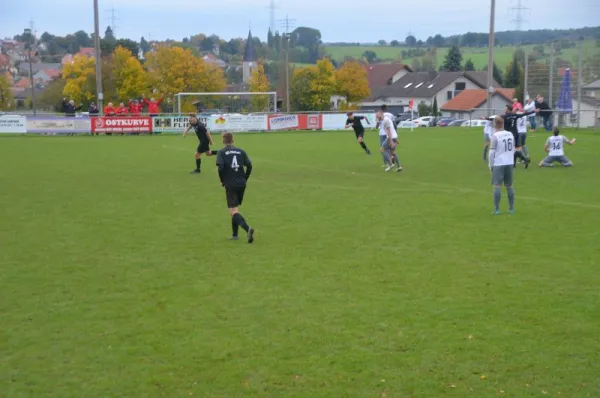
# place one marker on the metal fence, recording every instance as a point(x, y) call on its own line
point(585, 118)
point(545, 67)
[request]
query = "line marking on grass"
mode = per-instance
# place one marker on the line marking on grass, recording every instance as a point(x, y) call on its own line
point(439, 187)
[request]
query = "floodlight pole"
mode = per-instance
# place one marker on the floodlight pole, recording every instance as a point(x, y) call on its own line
point(29, 34)
point(99, 93)
point(490, 76)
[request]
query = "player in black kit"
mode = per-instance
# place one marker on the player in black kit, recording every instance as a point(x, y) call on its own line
point(359, 130)
point(510, 125)
point(204, 138)
point(231, 162)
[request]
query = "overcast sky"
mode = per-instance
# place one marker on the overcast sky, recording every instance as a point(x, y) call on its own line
point(338, 20)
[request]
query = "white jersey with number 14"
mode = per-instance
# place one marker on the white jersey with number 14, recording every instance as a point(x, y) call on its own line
point(556, 145)
point(503, 143)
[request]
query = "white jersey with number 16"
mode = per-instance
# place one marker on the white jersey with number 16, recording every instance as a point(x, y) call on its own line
point(556, 145)
point(503, 143)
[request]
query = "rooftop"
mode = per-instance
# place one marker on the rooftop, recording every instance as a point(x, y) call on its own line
point(471, 99)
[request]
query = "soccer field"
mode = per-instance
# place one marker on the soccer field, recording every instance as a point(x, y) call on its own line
point(117, 278)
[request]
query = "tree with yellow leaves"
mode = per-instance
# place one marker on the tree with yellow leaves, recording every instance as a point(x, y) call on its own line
point(80, 77)
point(259, 83)
point(173, 70)
point(128, 76)
point(6, 97)
point(351, 82)
point(312, 87)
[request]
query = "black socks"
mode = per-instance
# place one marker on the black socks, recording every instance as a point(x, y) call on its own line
point(364, 146)
point(234, 227)
point(239, 220)
point(198, 162)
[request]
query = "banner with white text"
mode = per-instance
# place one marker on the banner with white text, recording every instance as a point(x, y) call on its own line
point(13, 124)
point(122, 125)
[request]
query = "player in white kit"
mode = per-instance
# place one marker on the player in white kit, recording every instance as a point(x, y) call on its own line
point(389, 139)
point(556, 150)
point(501, 163)
point(522, 130)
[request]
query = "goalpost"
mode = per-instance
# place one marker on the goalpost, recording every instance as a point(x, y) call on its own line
point(234, 102)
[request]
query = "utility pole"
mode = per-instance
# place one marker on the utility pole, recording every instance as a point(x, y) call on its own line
point(99, 94)
point(526, 77)
point(551, 77)
point(579, 80)
point(29, 34)
point(287, 23)
point(490, 76)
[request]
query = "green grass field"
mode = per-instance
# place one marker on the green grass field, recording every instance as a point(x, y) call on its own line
point(479, 56)
point(118, 279)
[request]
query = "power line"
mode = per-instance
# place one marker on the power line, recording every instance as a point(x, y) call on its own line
point(272, 8)
point(519, 19)
point(113, 18)
point(287, 23)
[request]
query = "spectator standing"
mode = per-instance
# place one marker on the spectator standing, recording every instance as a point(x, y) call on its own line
point(153, 106)
point(517, 105)
point(122, 110)
point(109, 110)
point(135, 108)
point(70, 108)
point(545, 112)
point(93, 109)
point(530, 106)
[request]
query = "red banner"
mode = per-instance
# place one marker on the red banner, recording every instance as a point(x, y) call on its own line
point(122, 124)
point(295, 122)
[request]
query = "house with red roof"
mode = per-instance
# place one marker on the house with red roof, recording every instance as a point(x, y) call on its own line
point(472, 103)
point(45, 76)
point(212, 59)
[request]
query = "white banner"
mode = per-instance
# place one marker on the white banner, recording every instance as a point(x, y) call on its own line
point(337, 121)
point(13, 124)
point(58, 124)
point(170, 124)
point(238, 123)
point(283, 122)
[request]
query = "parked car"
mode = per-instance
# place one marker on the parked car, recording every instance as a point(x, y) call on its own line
point(457, 123)
point(408, 124)
point(435, 121)
point(424, 121)
point(401, 117)
point(473, 123)
point(443, 122)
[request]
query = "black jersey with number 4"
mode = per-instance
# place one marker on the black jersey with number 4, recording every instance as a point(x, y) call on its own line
point(201, 131)
point(234, 167)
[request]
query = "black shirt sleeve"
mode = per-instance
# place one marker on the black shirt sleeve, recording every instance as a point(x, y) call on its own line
point(359, 117)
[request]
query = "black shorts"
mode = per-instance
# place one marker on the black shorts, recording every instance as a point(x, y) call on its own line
point(359, 134)
point(235, 196)
point(203, 147)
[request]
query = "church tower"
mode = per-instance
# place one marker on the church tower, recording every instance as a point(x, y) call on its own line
point(250, 61)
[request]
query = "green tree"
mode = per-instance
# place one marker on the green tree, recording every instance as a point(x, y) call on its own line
point(410, 41)
point(424, 109)
point(394, 43)
point(51, 97)
point(370, 56)
point(144, 45)
point(469, 66)
point(108, 34)
point(6, 98)
point(453, 60)
point(434, 108)
point(300, 91)
point(514, 76)
point(382, 42)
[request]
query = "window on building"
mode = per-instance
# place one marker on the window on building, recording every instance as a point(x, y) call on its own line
point(460, 86)
point(449, 95)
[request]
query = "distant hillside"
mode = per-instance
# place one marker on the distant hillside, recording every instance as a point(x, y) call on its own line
point(479, 55)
